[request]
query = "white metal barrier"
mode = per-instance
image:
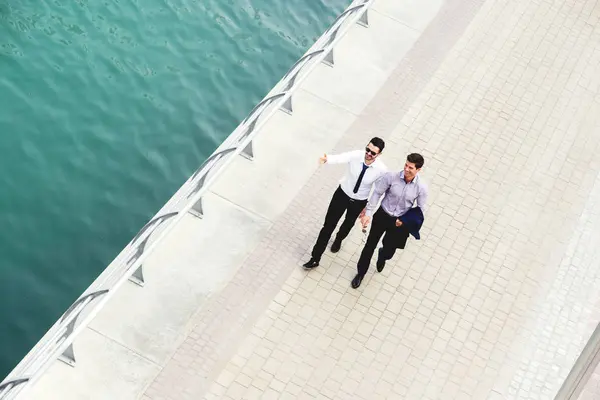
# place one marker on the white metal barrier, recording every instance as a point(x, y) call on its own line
point(583, 369)
point(58, 342)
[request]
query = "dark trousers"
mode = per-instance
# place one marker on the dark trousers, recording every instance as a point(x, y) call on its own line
point(340, 203)
point(395, 237)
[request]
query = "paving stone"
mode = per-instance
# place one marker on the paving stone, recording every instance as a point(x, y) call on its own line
point(498, 299)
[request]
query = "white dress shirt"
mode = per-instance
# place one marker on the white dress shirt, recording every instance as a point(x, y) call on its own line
point(355, 161)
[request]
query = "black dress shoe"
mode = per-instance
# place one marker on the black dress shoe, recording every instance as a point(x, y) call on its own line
point(357, 281)
point(380, 262)
point(335, 246)
point(312, 263)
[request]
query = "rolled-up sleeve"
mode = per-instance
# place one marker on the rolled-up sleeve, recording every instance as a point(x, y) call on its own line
point(380, 187)
point(343, 157)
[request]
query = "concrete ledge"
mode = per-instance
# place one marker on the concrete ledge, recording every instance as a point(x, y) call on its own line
point(363, 62)
point(193, 262)
point(105, 370)
point(140, 329)
point(286, 155)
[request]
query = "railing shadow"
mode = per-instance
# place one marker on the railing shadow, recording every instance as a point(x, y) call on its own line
point(57, 343)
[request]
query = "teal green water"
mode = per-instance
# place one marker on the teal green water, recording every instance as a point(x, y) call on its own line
point(106, 108)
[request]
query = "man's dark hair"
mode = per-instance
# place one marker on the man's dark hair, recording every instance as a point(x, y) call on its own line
point(378, 142)
point(416, 159)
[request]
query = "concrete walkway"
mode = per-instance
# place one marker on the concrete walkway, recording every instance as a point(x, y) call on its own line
point(497, 299)
point(501, 294)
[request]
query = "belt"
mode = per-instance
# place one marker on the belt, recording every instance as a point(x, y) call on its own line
point(388, 214)
point(349, 198)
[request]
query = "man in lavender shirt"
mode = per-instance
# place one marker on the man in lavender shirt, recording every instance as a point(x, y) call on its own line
point(401, 192)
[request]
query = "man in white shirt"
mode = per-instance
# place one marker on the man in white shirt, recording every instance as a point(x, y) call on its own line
point(364, 168)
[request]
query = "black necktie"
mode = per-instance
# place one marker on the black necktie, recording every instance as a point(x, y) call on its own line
point(362, 173)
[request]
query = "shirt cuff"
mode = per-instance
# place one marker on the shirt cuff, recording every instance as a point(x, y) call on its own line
point(333, 158)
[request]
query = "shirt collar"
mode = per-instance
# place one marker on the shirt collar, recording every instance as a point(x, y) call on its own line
point(416, 180)
point(373, 164)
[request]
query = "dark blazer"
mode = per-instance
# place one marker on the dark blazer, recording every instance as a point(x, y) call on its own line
point(413, 221)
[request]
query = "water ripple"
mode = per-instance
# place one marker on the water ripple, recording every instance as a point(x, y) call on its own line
point(105, 109)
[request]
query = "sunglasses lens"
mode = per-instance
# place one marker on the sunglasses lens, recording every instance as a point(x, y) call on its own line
point(368, 150)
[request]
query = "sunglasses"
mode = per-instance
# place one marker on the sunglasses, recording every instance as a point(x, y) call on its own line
point(368, 150)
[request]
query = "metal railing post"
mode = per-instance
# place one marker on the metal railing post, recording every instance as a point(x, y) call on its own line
point(57, 343)
point(197, 210)
point(138, 276)
point(248, 151)
point(328, 60)
point(364, 19)
point(68, 356)
point(286, 107)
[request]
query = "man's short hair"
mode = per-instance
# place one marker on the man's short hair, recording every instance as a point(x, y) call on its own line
point(416, 159)
point(378, 142)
